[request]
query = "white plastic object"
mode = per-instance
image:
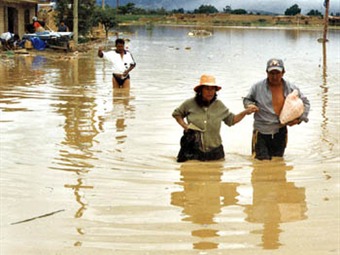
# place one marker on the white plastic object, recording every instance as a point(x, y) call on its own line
point(292, 109)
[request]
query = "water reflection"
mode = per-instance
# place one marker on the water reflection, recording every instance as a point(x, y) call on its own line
point(35, 69)
point(292, 34)
point(203, 196)
point(78, 106)
point(324, 87)
point(79, 111)
point(66, 113)
point(275, 201)
point(78, 190)
point(121, 110)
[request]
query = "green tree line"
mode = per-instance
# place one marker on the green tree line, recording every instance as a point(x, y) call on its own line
point(90, 14)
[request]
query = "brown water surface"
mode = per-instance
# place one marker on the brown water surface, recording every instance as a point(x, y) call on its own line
point(86, 169)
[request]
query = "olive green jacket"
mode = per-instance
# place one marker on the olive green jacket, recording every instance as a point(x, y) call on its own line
point(207, 119)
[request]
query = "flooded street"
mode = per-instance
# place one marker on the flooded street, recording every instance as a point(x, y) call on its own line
point(86, 169)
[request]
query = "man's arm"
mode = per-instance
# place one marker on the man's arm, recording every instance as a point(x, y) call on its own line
point(306, 104)
point(129, 69)
point(132, 66)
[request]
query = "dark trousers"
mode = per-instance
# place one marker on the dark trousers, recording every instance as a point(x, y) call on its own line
point(190, 143)
point(268, 146)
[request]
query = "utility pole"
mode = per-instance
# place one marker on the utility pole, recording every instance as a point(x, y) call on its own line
point(75, 22)
point(324, 41)
point(117, 6)
point(326, 19)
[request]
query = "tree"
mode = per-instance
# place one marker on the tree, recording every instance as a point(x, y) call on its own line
point(86, 14)
point(158, 11)
point(128, 8)
point(107, 17)
point(314, 13)
point(64, 13)
point(227, 9)
point(239, 11)
point(180, 10)
point(293, 10)
point(206, 9)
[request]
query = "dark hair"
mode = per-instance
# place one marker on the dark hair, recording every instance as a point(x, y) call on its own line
point(199, 99)
point(120, 41)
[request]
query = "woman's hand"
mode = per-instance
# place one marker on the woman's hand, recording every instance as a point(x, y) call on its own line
point(252, 108)
point(182, 123)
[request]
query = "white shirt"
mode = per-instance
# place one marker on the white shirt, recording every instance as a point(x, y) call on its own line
point(119, 64)
point(6, 36)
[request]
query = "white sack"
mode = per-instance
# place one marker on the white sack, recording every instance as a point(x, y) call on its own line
point(292, 109)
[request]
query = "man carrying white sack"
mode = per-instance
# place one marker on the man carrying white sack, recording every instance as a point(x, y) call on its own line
point(274, 110)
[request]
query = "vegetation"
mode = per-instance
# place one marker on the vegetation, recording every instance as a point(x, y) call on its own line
point(90, 15)
point(180, 10)
point(314, 13)
point(293, 10)
point(107, 17)
point(128, 8)
point(239, 12)
point(86, 15)
point(131, 9)
point(206, 9)
point(227, 9)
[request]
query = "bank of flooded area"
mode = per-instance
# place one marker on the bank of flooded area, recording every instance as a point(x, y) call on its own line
point(90, 169)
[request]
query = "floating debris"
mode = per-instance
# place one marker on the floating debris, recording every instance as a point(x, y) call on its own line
point(199, 33)
point(320, 40)
point(38, 217)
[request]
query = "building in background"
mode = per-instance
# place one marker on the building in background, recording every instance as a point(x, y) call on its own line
point(16, 14)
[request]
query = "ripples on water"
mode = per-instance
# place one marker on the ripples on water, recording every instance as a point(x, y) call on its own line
point(68, 141)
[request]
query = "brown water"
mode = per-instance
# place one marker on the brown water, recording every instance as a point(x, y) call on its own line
point(89, 170)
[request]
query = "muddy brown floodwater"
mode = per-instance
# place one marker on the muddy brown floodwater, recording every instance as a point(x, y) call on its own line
point(86, 169)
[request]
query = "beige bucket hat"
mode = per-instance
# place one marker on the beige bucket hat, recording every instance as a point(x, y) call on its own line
point(207, 80)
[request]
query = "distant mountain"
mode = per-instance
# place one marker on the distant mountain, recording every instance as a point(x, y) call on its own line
point(271, 6)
